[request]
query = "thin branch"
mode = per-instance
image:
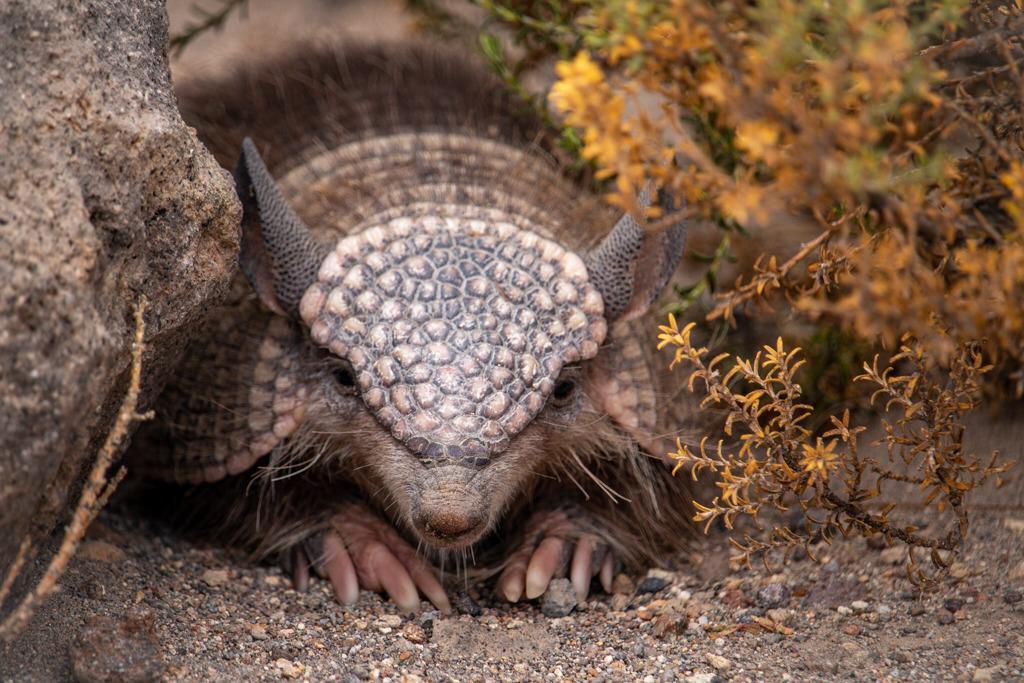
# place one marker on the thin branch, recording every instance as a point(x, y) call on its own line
point(95, 494)
point(15, 568)
point(210, 20)
point(757, 285)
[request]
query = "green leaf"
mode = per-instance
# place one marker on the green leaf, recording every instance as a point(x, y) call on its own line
point(491, 47)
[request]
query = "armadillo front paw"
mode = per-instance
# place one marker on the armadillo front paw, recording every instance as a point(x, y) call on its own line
point(361, 550)
point(553, 547)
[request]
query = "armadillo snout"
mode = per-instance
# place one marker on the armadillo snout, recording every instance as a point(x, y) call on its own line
point(451, 513)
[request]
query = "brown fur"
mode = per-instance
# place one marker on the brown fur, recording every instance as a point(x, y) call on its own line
point(572, 457)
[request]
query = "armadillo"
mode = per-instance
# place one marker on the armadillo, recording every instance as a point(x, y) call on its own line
point(437, 358)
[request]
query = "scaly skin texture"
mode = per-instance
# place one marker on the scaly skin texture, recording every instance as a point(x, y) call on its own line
point(419, 370)
point(456, 328)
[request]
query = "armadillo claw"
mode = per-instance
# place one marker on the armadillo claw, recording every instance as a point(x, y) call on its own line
point(550, 552)
point(363, 551)
point(300, 569)
point(337, 564)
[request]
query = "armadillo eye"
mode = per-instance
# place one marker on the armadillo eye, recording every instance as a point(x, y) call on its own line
point(345, 376)
point(563, 390)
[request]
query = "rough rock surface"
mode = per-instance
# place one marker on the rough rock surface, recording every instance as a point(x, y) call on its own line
point(105, 195)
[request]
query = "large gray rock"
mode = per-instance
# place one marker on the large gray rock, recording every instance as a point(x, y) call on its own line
point(105, 194)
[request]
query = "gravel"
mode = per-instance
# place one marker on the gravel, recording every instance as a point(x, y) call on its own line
point(184, 612)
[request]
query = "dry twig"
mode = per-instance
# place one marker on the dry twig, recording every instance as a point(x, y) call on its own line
point(779, 461)
point(208, 19)
point(95, 494)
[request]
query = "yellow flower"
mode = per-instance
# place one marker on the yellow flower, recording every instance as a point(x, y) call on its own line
point(819, 460)
point(757, 138)
point(1014, 182)
point(629, 46)
point(743, 202)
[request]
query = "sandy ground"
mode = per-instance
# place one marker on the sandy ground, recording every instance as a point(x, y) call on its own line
point(139, 603)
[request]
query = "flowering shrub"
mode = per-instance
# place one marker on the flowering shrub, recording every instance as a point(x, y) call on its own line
point(779, 462)
point(892, 134)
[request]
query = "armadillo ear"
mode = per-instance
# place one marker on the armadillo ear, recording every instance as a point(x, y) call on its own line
point(622, 383)
point(279, 255)
point(631, 266)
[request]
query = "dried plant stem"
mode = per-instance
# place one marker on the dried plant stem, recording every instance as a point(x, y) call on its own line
point(95, 494)
point(776, 456)
point(14, 569)
point(950, 541)
point(208, 20)
point(756, 287)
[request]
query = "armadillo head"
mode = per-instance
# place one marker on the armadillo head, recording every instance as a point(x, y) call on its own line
point(455, 331)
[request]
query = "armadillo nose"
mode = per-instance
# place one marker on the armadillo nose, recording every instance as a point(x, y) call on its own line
point(451, 513)
point(451, 526)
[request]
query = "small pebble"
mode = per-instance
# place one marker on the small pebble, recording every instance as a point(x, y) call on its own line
point(844, 610)
point(464, 604)
point(258, 632)
point(859, 606)
point(1012, 597)
point(290, 669)
point(392, 620)
point(100, 551)
point(670, 624)
point(916, 610)
point(851, 629)
point(988, 674)
point(215, 577)
point(702, 678)
point(651, 584)
point(893, 555)
point(559, 599)
point(623, 585)
point(773, 595)
point(953, 604)
point(414, 633)
point(945, 618)
point(718, 662)
point(959, 570)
